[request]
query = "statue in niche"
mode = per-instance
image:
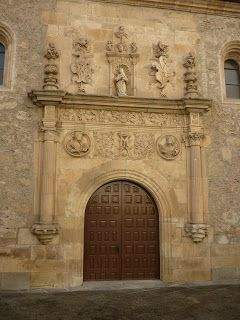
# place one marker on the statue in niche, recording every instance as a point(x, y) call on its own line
point(121, 81)
point(168, 147)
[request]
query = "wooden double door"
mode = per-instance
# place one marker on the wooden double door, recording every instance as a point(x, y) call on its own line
point(121, 236)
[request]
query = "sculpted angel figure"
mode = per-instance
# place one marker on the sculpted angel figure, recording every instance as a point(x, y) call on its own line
point(121, 81)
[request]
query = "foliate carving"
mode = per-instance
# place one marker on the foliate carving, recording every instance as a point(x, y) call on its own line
point(190, 77)
point(45, 232)
point(51, 68)
point(159, 67)
point(195, 138)
point(168, 147)
point(115, 145)
point(196, 231)
point(77, 143)
point(150, 119)
point(122, 57)
point(81, 67)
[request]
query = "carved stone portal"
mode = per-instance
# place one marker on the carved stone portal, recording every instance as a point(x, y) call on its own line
point(77, 144)
point(168, 147)
point(122, 57)
point(82, 68)
point(159, 67)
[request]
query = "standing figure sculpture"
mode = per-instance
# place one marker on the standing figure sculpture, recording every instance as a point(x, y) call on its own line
point(121, 81)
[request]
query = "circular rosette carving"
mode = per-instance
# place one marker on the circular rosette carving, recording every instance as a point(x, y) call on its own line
point(168, 147)
point(77, 143)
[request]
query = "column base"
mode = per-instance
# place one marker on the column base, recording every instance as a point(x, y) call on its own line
point(196, 231)
point(45, 232)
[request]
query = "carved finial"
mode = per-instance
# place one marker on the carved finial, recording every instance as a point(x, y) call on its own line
point(82, 68)
point(190, 77)
point(51, 68)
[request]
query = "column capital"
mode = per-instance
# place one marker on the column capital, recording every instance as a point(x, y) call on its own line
point(195, 138)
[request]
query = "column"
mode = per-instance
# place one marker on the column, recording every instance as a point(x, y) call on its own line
point(196, 229)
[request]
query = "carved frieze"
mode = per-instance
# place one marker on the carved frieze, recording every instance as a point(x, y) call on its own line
point(190, 77)
point(168, 147)
point(77, 143)
point(160, 67)
point(51, 68)
point(82, 68)
point(122, 57)
point(160, 120)
point(123, 145)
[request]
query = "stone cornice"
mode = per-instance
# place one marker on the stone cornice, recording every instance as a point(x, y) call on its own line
point(66, 100)
point(217, 7)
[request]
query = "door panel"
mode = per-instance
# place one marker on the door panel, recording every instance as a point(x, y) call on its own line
point(121, 234)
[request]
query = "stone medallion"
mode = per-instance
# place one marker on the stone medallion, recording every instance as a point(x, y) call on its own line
point(168, 147)
point(77, 143)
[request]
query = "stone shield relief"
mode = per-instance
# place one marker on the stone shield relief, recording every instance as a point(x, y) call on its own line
point(77, 143)
point(168, 147)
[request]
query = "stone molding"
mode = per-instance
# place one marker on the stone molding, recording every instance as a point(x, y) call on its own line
point(222, 8)
point(64, 99)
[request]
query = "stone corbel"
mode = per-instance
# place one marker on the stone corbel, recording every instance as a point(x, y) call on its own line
point(196, 229)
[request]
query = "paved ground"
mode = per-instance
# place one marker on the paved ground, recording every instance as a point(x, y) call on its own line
point(172, 303)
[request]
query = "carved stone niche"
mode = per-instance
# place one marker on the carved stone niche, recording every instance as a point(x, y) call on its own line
point(122, 57)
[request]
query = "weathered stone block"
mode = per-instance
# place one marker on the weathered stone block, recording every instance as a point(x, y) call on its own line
point(15, 281)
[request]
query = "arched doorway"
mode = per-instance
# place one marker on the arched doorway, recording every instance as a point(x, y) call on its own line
point(121, 234)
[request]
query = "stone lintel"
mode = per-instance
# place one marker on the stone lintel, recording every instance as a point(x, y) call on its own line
point(63, 99)
point(198, 6)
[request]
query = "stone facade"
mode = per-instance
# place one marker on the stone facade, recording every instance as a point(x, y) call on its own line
point(105, 90)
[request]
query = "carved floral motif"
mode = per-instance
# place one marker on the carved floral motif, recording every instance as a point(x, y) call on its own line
point(122, 117)
point(159, 67)
point(82, 68)
point(190, 77)
point(168, 147)
point(51, 68)
point(122, 57)
point(77, 143)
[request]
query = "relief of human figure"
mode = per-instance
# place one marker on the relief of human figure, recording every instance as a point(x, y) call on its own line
point(121, 81)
